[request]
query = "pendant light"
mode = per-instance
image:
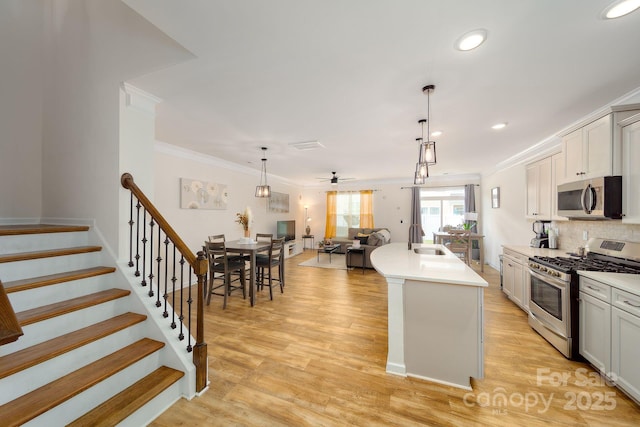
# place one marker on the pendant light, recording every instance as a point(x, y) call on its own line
point(263, 190)
point(427, 153)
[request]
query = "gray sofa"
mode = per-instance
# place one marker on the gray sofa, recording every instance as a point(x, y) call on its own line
point(373, 240)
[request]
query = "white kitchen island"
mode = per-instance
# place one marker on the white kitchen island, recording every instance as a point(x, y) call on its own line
point(435, 314)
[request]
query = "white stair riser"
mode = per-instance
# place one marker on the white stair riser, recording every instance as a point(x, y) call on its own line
point(19, 270)
point(31, 298)
point(156, 406)
point(40, 242)
point(30, 379)
point(87, 400)
point(60, 325)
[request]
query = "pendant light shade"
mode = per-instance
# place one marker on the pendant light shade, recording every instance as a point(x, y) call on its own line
point(263, 190)
point(427, 148)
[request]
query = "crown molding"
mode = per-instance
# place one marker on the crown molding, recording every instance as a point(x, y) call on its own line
point(140, 100)
point(195, 156)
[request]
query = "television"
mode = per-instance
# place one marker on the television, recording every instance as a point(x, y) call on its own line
point(286, 229)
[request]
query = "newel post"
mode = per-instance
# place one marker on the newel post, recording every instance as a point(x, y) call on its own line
point(200, 349)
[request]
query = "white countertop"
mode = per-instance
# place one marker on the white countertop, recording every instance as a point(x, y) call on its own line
point(395, 261)
point(626, 282)
point(529, 251)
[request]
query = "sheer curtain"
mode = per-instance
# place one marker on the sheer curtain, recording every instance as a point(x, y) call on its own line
point(415, 232)
point(366, 209)
point(330, 223)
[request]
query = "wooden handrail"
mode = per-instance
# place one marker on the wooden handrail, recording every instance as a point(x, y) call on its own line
point(127, 182)
point(10, 329)
point(200, 266)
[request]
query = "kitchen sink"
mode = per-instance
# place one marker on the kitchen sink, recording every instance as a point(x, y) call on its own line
point(429, 251)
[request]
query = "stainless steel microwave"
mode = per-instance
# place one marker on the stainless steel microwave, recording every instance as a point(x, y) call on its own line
point(597, 198)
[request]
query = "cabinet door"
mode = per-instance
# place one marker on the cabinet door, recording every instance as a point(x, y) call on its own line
point(625, 351)
point(597, 146)
point(517, 295)
point(557, 175)
point(526, 277)
point(631, 173)
point(532, 190)
point(508, 275)
point(572, 149)
point(595, 332)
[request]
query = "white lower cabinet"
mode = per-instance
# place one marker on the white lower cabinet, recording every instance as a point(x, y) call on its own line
point(595, 332)
point(513, 278)
point(610, 333)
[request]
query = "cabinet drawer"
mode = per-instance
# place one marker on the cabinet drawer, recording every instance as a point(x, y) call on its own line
point(626, 301)
point(516, 256)
point(595, 289)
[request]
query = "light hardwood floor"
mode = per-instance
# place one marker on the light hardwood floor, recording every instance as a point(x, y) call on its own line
point(316, 356)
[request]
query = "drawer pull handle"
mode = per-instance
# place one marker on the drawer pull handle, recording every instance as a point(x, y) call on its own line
point(631, 304)
point(593, 288)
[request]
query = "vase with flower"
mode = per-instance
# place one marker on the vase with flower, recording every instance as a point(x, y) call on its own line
point(244, 219)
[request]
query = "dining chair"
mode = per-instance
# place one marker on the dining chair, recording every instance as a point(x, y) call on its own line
point(460, 244)
point(222, 267)
point(265, 265)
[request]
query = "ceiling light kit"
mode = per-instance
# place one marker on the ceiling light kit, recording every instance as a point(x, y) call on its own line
point(471, 40)
point(499, 126)
point(263, 190)
point(620, 8)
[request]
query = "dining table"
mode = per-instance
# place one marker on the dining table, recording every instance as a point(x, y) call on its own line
point(240, 247)
point(439, 237)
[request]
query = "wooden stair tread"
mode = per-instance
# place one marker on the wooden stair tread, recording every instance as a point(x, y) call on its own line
point(38, 314)
point(14, 229)
point(125, 403)
point(37, 402)
point(23, 256)
point(31, 356)
point(52, 279)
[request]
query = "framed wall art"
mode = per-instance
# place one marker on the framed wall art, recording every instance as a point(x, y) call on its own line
point(197, 194)
point(279, 202)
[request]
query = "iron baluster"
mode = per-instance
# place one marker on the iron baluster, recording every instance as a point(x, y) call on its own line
point(131, 231)
point(138, 206)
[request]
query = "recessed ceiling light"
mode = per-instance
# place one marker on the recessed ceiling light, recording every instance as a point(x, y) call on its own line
point(436, 133)
point(620, 8)
point(471, 40)
point(499, 126)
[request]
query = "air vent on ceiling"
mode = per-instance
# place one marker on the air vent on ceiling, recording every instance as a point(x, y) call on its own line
point(306, 145)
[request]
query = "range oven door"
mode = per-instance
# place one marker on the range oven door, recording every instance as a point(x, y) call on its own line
point(549, 303)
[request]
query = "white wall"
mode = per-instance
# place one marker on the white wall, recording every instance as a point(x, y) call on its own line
point(195, 225)
point(20, 109)
point(88, 54)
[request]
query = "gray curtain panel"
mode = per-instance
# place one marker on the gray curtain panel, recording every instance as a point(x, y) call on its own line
point(470, 202)
point(416, 232)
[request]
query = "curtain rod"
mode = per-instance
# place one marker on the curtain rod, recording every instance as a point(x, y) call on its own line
point(348, 191)
point(437, 186)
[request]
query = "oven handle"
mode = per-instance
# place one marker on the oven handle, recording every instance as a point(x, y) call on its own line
point(560, 284)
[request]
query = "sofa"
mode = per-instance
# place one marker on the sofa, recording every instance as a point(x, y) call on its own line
point(370, 239)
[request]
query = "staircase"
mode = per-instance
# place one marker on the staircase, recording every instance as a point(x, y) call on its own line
point(89, 354)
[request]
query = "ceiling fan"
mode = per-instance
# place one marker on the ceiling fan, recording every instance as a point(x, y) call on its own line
point(334, 179)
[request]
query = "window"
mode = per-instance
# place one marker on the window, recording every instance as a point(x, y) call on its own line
point(348, 209)
point(347, 213)
point(440, 207)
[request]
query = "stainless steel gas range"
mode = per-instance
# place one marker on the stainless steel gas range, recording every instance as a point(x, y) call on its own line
point(553, 305)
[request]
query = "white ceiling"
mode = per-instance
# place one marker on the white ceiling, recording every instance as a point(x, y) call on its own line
point(349, 74)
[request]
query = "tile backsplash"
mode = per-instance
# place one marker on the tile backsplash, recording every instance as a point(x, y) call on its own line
point(570, 233)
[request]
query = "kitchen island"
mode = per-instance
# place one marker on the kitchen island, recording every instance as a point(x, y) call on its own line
point(435, 314)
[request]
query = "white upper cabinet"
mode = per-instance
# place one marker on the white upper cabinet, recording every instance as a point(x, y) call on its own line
point(631, 170)
point(593, 148)
point(539, 189)
point(588, 151)
point(557, 173)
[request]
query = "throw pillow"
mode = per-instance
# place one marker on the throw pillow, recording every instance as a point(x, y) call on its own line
point(374, 239)
point(385, 234)
point(363, 239)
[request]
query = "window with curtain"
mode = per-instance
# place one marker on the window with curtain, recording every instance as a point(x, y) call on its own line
point(348, 209)
point(440, 207)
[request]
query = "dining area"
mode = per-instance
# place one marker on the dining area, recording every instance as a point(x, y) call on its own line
point(236, 265)
point(461, 242)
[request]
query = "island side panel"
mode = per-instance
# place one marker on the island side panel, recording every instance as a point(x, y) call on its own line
point(395, 327)
point(443, 332)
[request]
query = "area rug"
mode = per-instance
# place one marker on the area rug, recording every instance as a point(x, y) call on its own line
point(338, 262)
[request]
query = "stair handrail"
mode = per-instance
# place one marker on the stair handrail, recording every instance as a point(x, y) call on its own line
point(10, 329)
point(198, 263)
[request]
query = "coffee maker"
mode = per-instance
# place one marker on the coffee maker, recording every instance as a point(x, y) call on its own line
point(541, 228)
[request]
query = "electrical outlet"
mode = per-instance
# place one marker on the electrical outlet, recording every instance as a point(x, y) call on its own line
point(585, 235)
